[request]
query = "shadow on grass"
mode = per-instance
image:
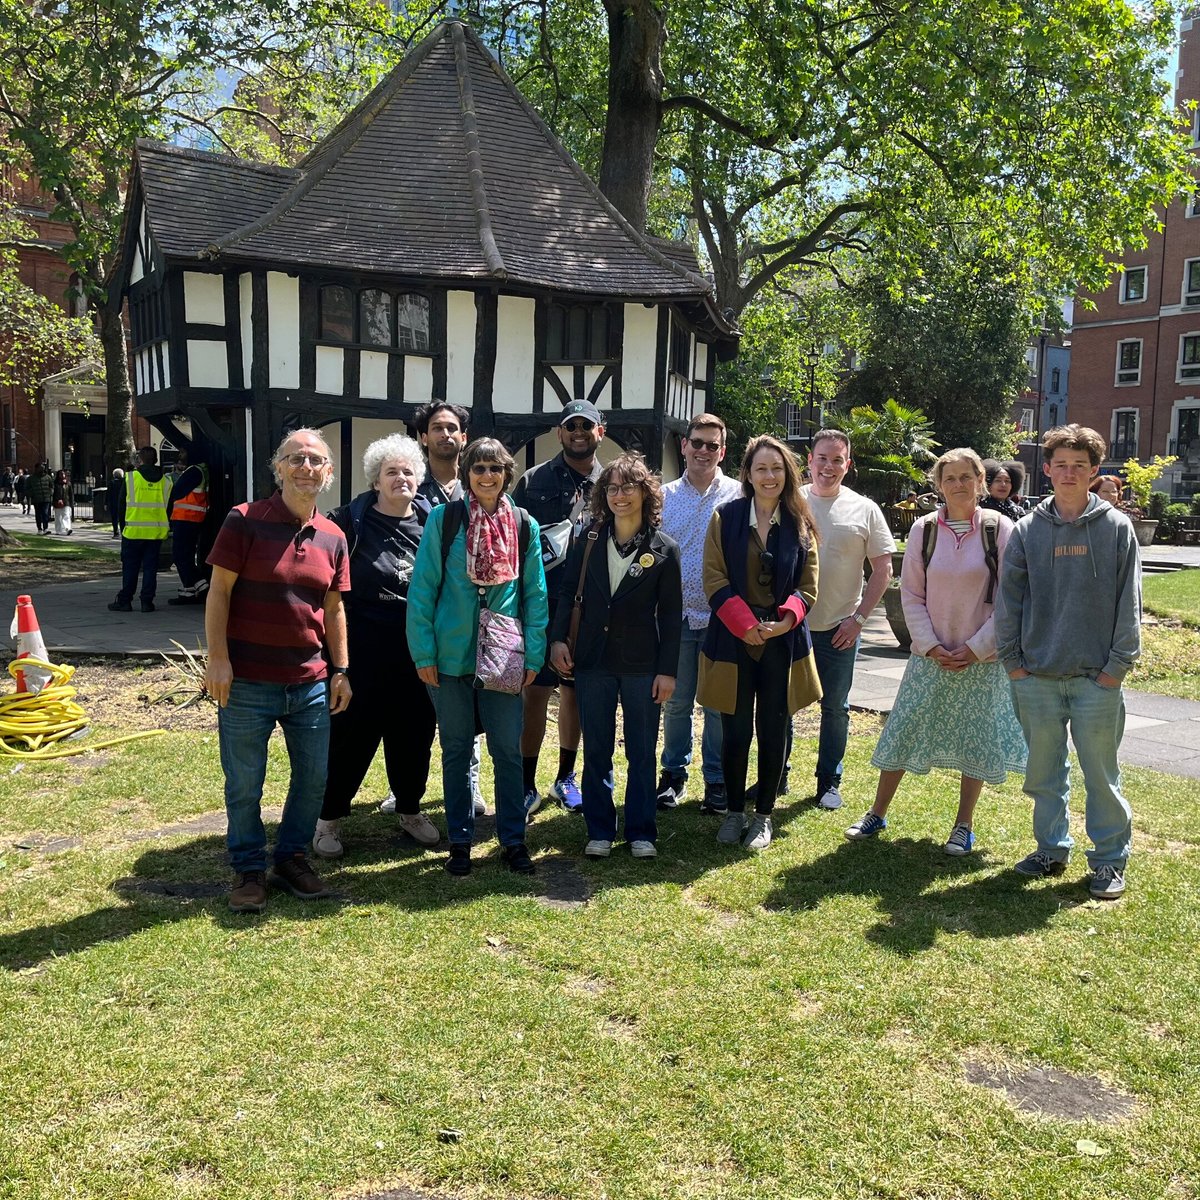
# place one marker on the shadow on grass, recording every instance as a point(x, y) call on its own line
point(923, 891)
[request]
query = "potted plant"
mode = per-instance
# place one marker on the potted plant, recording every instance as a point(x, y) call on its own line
point(1140, 481)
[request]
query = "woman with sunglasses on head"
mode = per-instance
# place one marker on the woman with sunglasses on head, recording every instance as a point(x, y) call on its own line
point(626, 649)
point(493, 558)
point(757, 667)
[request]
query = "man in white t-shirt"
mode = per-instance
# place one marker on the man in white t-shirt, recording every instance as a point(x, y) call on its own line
point(852, 529)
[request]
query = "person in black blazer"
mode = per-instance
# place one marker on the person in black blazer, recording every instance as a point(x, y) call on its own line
point(627, 647)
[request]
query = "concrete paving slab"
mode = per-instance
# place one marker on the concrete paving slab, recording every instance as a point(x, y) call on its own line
point(1175, 739)
point(1132, 722)
point(1165, 708)
point(1135, 752)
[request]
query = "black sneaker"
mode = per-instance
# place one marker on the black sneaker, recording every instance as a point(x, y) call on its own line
point(672, 788)
point(516, 859)
point(147, 606)
point(459, 862)
point(120, 606)
point(752, 790)
point(715, 800)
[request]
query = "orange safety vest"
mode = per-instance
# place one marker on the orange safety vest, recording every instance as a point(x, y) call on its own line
point(194, 505)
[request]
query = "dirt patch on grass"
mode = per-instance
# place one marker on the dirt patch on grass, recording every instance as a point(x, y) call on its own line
point(21, 573)
point(119, 694)
point(585, 985)
point(1048, 1092)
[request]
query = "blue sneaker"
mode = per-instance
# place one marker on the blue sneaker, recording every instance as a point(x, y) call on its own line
point(867, 826)
point(533, 801)
point(961, 841)
point(566, 792)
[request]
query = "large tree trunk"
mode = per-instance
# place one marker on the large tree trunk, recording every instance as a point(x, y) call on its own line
point(119, 450)
point(636, 34)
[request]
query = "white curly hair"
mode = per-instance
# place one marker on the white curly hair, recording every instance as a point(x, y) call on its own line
point(395, 446)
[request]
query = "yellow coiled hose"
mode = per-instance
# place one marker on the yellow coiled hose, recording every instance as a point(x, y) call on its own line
point(33, 724)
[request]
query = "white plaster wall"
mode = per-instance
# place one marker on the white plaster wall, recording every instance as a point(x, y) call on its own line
point(283, 330)
point(137, 271)
point(372, 375)
point(637, 356)
point(590, 375)
point(512, 380)
point(246, 313)
point(701, 360)
point(547, 445)
point(330, 370)
point(203, 298)
point(460, 347)
point(208, 364)
point(139, 372)
point(418, 379)
point(166, 363)
point(364, 431)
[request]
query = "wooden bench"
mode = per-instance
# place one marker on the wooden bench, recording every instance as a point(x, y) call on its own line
point(1188, 532)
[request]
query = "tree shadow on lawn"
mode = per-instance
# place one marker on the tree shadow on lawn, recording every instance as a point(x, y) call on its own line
point(904, 875)
point(174, 883)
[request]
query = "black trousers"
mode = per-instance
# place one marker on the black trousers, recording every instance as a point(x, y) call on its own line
point(762, 707)
point(185, 537)
point(390, 705)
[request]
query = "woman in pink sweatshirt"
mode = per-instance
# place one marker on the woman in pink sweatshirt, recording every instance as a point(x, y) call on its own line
point(954, 706)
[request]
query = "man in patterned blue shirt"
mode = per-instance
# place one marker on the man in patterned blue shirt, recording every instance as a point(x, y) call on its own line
point(688, 505)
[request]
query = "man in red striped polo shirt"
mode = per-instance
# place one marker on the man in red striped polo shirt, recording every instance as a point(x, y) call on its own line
point(277, 654)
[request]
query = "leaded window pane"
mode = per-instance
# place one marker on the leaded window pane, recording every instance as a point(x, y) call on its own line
point(375, 318)
point(337, 314)
point(412, 322)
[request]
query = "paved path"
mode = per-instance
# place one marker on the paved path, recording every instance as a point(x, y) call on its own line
point(1160, 732)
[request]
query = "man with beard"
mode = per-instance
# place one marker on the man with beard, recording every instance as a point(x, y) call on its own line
point(442, 428)
point(556, 494)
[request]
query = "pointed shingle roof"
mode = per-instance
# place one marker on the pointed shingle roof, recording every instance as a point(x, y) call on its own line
point(443, 171)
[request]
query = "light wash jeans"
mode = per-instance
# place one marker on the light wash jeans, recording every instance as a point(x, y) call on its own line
point(835, 668)
point(677, 716)
point(1096, 716)
point(244, 727)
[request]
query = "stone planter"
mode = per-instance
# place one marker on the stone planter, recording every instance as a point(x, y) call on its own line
point(1143, 530)
point(892, 606)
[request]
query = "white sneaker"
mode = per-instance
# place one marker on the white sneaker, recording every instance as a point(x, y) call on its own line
point(477, 802)
point(597, 848)
point(388, 803)
point(830, 797)
point(420, 828)
point(758, 834)
point(643, 849)
point(326, 843)
point(201, 586)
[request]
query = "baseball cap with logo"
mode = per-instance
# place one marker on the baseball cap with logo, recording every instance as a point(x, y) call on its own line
point(584, 409)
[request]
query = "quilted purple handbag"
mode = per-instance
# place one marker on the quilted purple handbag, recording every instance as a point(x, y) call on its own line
point(499, 653)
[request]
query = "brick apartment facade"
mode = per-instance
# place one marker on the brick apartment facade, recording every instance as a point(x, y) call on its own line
point(1135, 363)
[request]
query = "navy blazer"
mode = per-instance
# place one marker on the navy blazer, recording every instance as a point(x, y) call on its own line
point(635, 631)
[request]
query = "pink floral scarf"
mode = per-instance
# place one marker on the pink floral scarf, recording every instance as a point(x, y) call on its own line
point(491, 543)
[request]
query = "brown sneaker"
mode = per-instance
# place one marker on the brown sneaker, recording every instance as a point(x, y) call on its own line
point(249, 894)
point(296, 876)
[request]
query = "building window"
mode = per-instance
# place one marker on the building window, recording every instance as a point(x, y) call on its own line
point(577, 333)
point(681, 351)
point(1124, 434)
point(1025, 424)
point(337, 314)
point(1133, 285)
point(1191, 283)
point(1189, 357)
point(412, 323)
point(1056, 379)
point(374, 318)
point(1193, 205)
point(1129, 362)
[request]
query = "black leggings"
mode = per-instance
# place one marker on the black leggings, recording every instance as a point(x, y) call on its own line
point(762, 707)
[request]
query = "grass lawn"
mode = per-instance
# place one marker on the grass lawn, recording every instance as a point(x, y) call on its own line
point(55, 549)
point(706, 1025)
point(1174, 595)
point(1171, 649)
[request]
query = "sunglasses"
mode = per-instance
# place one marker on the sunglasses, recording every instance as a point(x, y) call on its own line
point(701, 444)
point(766, 568)
point(486, 469)
point(299, 460)
point(579, 426)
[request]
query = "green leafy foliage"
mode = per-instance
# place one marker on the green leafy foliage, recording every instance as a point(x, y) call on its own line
point(892, 448)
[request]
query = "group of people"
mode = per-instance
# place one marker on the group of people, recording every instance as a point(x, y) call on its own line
point(436, 603)
point(47, 494)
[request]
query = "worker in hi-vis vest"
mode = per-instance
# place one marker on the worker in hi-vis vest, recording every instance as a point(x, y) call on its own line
point(188, 506)
point(144, 502)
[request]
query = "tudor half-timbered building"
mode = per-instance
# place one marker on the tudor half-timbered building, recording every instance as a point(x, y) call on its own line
point(440, 242)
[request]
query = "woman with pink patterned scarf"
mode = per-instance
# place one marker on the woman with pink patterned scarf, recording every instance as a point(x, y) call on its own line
point(489, 560)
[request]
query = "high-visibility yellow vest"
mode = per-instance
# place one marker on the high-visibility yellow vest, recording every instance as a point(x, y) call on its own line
point(146, 507)
point(193, 505)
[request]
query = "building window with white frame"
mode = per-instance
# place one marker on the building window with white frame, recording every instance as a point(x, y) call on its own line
point(1025, 424)
point(1129, 362)
point(1133, 285)
point(1191, 283)
point(1189, 357)
point(1124, 439)
point(1193, 205)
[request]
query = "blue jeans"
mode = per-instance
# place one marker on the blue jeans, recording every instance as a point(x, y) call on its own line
point(501, 716)
point(301, 710)
point(677, 716)
point(139, 556)
point(1096, 716)
point(598, 693)
point(836, 671)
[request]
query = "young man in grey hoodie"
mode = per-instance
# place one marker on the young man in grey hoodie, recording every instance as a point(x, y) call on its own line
point(1068, 628)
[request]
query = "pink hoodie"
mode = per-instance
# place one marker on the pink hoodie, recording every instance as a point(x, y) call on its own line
point(946, 606)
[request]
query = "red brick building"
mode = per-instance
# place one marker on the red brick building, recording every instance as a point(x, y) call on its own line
point(1135, 365)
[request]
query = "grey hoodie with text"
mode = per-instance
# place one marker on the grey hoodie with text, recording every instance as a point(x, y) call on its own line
point(1070, 598)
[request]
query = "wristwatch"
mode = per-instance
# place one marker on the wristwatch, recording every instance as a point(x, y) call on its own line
point(859, 619)
point(339, 670)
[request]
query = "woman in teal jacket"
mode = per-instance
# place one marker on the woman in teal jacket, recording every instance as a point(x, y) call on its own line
point(493, 549)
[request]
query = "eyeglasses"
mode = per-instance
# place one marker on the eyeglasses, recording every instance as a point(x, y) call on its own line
point(622, 489)
point(300, 459)
point(766, 568)
point(486, 469)
point(701, 444)
point(578, 426)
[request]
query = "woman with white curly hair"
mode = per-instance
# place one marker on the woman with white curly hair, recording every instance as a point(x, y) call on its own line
point(383, 528)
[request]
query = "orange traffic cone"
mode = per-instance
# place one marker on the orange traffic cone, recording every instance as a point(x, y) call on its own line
point(30, 644)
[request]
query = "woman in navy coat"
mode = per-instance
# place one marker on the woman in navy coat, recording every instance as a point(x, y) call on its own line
point(627, 647)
